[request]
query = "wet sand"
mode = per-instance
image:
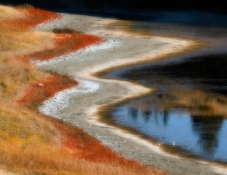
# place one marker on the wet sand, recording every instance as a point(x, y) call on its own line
point(80, 105)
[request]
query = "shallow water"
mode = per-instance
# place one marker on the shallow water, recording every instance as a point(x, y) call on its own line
point(189, 108)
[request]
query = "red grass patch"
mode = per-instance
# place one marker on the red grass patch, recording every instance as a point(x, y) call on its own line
point(36, 93)
point(33, 17)
point(73, 139)
point(66, 43)
point(38, 16)
point(92, 150)
point(63, 44)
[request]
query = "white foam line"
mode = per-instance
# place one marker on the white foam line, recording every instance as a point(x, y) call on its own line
point(54, 105)
point(82, 54)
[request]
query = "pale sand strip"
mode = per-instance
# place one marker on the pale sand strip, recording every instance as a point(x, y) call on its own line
point(79, 105)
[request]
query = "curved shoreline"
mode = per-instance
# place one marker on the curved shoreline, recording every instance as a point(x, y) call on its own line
point(84, 113)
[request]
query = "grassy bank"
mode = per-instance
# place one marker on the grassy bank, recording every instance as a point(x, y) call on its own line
point(31, 143)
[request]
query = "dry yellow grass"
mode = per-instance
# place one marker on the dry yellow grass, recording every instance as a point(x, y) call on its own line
point(20, 128)
point(9, 13)
point(200, 103)
point(16, 41)
point(33, 144)
point(25, 42)
point(15, 76)
point(16, 73)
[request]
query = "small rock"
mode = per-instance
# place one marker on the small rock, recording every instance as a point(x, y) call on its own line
point(41, 84)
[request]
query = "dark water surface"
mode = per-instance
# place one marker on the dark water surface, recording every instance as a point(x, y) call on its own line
point(189, 108)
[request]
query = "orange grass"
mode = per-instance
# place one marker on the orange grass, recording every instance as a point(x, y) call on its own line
point(33, 144)
point(37, 92)
point(83, 146)
point(38, 147)
point(66, 43)
point(32, 17)
point(41, 146)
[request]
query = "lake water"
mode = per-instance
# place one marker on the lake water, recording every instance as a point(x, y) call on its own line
point(188, 110)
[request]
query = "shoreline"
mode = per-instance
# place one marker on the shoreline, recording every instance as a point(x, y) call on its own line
point(84, 113)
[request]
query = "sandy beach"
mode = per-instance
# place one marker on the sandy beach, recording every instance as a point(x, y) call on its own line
point(80, 105)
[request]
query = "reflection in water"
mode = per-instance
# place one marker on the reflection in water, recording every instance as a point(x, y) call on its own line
point(134, 113)
point(207, 129)
point(165, 118)
point(202, 136)
point(188, 110)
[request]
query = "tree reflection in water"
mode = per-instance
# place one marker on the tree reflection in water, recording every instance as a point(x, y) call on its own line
point(133, 112)
point(207, 128)
point(166, 126)
point(189, 107)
